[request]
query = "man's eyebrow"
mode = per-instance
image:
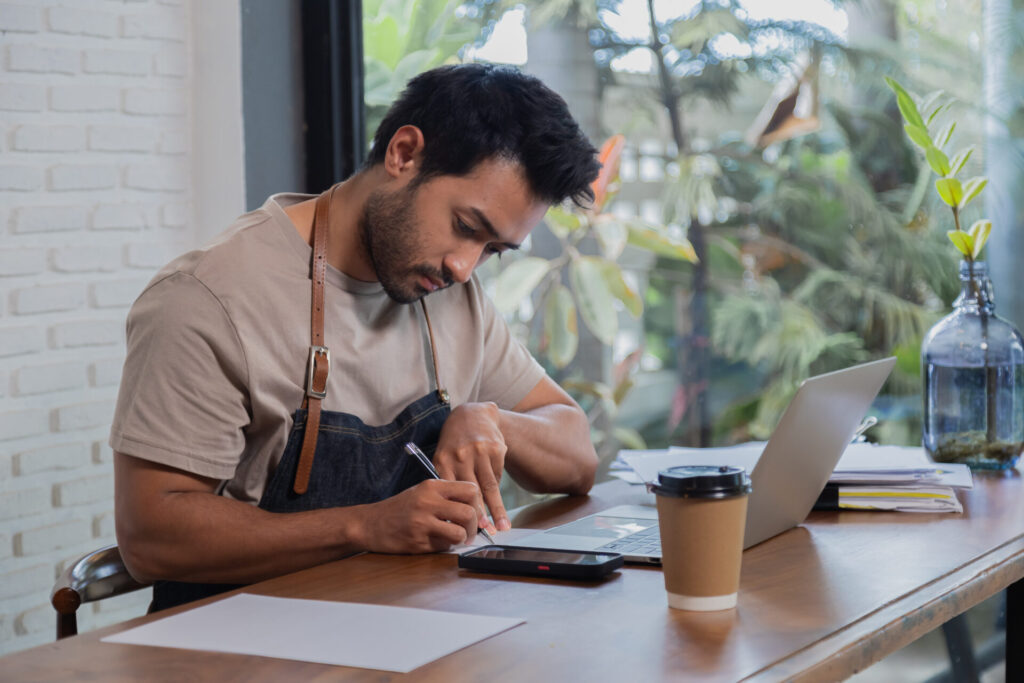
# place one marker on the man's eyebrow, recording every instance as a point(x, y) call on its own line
point(489, 227)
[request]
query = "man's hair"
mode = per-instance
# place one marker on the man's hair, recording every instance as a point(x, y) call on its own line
point(473, 112)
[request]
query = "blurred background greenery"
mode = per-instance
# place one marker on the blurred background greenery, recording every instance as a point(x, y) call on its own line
point(763, 136)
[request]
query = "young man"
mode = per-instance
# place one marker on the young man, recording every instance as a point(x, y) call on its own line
point(244, 451)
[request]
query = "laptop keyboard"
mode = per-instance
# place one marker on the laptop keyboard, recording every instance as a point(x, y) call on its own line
point(644, 542)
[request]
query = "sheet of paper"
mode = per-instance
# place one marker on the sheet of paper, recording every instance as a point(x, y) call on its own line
point(500, 538)
point(628, 476)
point(865, 462)
point(647, 464)
point(883, 464)
point(339, 633)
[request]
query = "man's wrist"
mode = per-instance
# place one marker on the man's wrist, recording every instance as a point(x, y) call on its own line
point(350, 529)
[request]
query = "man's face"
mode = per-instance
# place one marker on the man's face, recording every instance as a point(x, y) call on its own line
point(421, 238)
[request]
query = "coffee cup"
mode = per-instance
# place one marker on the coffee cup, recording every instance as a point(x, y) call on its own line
point(702, 513)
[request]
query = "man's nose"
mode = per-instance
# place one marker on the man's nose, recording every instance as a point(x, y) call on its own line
point(461, 262)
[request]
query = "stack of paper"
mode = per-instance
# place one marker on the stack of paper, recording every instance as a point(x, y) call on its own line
point(866, 477)
point(894, 478)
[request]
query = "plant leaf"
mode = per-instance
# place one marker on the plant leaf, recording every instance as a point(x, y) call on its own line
point(950, 190)
point(919, 136)
point(979, 235)
point(942, 139)
point(957, 163)
point(938, 160)
point(561, 222)
point(906, 104)
point(611, 152)
point(611, 235)
point(595, 301)
point(629, 438)
point(620, 289)
point(909, 110)
point(895, 86)
point(963, 242)
point(517, 281)
point(657, 241)
point(972, 188)
point(561, 329)
point(929, 101)
point(939, 110)
point(383, 41)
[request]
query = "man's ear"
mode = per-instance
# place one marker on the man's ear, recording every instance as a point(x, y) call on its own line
point(404, 153)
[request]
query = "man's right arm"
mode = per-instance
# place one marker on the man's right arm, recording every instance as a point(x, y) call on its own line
point(172, 525)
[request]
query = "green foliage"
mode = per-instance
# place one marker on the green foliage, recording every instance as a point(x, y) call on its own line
point(402, 38)
point(598, 288)
point(955, 194)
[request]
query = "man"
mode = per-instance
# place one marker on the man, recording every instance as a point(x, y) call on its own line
point(244, 451)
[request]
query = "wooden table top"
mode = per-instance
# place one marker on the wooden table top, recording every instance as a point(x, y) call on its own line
point(819, 602)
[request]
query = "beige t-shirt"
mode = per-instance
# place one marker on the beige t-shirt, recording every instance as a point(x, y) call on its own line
point(218, 344)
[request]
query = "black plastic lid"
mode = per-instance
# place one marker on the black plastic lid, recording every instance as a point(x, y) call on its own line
point(702, 481)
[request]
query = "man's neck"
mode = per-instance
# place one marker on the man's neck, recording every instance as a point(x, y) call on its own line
point(344, 245)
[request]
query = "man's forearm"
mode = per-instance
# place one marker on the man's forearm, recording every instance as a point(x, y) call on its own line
point(202, 537)
point(549, 449)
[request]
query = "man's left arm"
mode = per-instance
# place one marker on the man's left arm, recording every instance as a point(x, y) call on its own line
point(543, 442)
point(548, 439)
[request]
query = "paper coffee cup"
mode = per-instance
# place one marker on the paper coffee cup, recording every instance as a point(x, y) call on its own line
point(702, 513)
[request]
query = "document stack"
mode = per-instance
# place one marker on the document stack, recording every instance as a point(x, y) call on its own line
point(867, 477)
point(870, 477)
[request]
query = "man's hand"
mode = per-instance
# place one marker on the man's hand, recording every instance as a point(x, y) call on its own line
point(429, 517)
point(472, 448)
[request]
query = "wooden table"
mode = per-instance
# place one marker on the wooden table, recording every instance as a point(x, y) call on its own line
point(819, 602)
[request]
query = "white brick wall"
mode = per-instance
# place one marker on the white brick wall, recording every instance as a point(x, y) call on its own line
point(95, 194)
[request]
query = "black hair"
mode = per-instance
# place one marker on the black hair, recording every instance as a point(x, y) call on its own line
point(473, 112)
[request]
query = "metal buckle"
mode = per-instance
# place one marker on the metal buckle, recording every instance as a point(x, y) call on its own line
point(315, 351)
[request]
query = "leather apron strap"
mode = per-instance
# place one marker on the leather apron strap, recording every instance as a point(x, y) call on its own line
point(319, 364)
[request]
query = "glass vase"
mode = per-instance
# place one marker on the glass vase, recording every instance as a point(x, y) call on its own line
point(973, 366)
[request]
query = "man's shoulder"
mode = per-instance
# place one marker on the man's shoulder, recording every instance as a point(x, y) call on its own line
point(236, 258)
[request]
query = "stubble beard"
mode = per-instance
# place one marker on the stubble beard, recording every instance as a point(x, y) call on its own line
point(390, 242)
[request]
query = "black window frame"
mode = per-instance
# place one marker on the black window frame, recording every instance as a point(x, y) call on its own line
point(332, 57)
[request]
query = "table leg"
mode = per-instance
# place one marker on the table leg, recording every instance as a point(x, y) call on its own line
point(1015, 631)
point(961, 651)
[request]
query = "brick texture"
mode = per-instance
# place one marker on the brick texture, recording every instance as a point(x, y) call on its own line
point(95, 130)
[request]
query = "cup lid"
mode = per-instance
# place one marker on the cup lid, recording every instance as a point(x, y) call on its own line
point(702, 481)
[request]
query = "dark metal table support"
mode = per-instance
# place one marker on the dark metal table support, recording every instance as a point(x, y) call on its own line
point(1015, 631)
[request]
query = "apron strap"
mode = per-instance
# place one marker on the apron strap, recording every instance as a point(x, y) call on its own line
point(442, 393)
point(319, 364)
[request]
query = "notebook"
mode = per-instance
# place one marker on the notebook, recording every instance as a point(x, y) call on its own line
point(791, 472)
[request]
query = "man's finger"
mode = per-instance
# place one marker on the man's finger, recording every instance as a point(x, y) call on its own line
point(444, 466)
point(490, 490)
point(460, 514)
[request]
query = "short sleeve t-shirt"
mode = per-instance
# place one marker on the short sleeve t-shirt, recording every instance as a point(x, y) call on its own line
point(218, 344)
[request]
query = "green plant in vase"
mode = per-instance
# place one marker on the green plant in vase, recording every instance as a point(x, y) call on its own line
point(972, 360)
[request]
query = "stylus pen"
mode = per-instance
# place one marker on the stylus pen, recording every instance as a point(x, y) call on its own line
point(421, 457)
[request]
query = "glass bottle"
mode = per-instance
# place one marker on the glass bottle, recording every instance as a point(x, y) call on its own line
point(973, 366)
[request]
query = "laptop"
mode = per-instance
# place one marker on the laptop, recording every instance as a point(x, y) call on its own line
point(790, 474)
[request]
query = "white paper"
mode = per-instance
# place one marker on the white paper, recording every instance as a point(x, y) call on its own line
point(868, 463)
point(861, 463)
point(339, 633)
point(647, 464)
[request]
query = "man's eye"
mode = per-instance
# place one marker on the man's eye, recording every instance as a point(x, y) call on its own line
point(491, 249)
point(464, 228)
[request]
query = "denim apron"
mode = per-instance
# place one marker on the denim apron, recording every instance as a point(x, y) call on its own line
point(353, 463)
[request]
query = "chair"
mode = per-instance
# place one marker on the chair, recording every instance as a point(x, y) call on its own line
point(95, 576)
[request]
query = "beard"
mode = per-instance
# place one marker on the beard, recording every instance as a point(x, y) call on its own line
point(391, 242)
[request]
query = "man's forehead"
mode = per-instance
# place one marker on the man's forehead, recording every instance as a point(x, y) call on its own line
point(497, 193)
